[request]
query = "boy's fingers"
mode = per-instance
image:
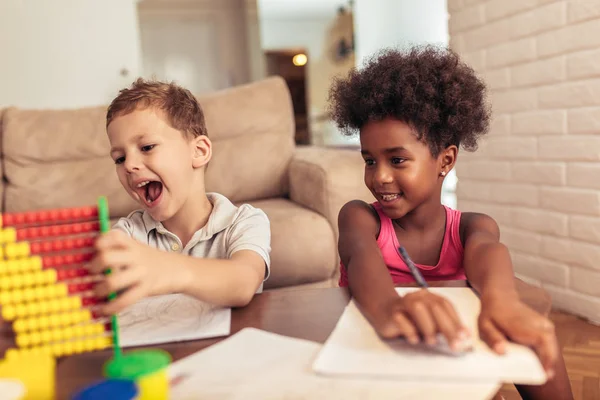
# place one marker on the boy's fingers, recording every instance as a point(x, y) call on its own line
point(421, 317)
point(117, 281)
point(446, 324)
point(108, 259)
point(112, 239)
point(492, 336)
point(123, 300)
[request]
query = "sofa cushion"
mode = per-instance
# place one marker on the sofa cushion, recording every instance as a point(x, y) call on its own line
point(303, 248)
point(60, 158)
point(252, 127)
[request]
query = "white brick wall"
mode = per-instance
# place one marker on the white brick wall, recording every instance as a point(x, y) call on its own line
point(538, 170)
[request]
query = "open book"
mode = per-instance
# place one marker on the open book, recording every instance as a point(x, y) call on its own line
point(254, 364)
point(355, 349)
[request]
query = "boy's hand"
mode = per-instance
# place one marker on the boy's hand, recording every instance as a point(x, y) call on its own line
point(421, 314)
point(138, 270)
point(502, 318)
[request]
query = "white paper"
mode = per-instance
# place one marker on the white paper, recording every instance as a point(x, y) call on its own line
point(355, 349)
point(255, 364)
point(171, 318)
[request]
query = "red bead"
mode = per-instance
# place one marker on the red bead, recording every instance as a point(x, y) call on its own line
point(35, 248)
point(30, 217)
point(61, 274)
point(19, 219)
point(89, 301)
point(43, 216)
point(8, 219)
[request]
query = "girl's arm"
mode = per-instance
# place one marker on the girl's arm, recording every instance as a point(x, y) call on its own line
point(503, 316)
point(369, 281)
point(417, 314)
point(487, 262)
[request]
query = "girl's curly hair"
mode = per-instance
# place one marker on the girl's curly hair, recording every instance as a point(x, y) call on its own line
point(427, 87)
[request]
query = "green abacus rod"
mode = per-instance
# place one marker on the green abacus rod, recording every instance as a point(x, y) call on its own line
point(103, 217)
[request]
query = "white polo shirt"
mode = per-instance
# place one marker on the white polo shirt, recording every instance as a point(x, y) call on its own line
point(229, 229)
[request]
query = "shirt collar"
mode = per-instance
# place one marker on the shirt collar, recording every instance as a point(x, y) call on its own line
point(221, 217)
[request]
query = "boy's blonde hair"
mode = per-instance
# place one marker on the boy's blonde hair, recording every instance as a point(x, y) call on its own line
point(181, 108)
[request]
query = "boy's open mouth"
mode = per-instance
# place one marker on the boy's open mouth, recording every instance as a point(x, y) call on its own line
point(149, 191)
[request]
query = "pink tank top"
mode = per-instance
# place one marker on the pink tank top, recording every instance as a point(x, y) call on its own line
point(450, 263)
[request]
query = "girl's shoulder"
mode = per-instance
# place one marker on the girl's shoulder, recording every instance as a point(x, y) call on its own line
point(471, 221)
point(358, 214)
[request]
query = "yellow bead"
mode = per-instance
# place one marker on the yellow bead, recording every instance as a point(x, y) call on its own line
point(78, 346)
point(20, 310)
point(23, 340)
point(43, 322)
point(23, 249)
point(2, 253)
point(32, 309)
point(29, 294)
point(19, 325)
point(78, 331)
point(68, 348)
point(56, 349)
point(61, 290)
point(16, 281)
point(45, 307)
point(21, 265)
point(36, 338)
point(50, 275)
point(68, 333)
point(65, 319)
point(46, 335)
point(56, 334)
point(74, 302)
point(9, 313)
point(54, 320)
point(4, 297)
point(35, 263)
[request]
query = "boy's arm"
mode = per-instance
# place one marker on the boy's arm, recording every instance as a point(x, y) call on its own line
point(140, 270)
point(232, 281)
point(224, 282)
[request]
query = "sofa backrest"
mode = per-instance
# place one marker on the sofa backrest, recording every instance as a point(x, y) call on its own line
point(60, 158)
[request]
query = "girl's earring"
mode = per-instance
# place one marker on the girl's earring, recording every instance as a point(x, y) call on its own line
point(443, 173)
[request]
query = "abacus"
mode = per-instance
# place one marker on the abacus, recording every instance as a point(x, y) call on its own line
point(45, 289)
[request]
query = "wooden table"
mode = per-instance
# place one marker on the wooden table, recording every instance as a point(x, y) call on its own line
point(307, 314)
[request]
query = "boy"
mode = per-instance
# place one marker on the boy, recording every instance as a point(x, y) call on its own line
point(183, 239)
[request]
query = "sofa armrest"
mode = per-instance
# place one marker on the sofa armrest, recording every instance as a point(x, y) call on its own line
point(324, 179)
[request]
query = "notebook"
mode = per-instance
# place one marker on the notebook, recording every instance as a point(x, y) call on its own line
point(355, 350)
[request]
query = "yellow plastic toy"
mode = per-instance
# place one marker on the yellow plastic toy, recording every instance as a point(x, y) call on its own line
point(36, 371)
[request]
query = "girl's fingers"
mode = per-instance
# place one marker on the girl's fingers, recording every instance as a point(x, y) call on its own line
point(446, 324)
point(491, 335)
point(406, 328)
point(422, 318)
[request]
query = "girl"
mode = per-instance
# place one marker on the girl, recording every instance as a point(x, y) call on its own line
point(413, 110)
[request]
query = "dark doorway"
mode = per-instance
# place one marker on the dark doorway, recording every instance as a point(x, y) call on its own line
point(291, 65)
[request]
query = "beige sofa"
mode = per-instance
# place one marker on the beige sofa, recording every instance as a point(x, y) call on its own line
point(59, 158)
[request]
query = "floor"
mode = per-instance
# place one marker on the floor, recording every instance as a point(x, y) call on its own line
point(580, 342)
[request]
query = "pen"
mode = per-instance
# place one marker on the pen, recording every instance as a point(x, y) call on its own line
point(413, 268)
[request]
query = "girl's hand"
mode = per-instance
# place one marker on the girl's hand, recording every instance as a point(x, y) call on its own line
point(137, 270)
point(502, 319)
point(421, 315)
